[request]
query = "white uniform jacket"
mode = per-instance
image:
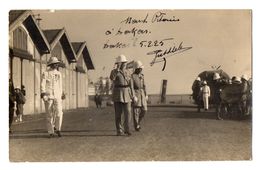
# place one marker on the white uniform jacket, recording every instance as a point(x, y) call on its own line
point(51, 84)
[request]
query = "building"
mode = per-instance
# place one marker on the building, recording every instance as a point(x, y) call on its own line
point(27, 46)
point(30, 48)
point(84, 63)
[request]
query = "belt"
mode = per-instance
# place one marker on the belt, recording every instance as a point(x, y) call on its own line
point(121, 86)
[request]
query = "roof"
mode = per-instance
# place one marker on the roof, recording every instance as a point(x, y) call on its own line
point(14, 15)
point(51, 34)
point(22, 17)
point(87, 59)
point(81, 48)
point(76, 46)
point(60, 35)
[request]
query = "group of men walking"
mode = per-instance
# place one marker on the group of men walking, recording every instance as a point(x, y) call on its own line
point(129, 95)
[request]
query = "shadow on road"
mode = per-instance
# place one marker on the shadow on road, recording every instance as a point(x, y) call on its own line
point(66, 133)
point(185, 115)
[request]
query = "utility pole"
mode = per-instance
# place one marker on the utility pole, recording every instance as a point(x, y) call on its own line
point(163, 94)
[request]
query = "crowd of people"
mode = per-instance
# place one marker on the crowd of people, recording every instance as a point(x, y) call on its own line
point(128, 95)
point(240, 93)
point(16, 103)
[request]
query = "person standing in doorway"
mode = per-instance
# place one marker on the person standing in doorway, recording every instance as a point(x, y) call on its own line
point(51, 93)
point(122, 97)
point(205, 95)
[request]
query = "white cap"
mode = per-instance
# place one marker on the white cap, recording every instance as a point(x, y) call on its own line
point(121, 59)
point(204, 82)
point(53, 60)
point(138, 64)
point(216, 76)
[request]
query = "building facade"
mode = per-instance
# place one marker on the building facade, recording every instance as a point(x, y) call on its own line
point(30, 48)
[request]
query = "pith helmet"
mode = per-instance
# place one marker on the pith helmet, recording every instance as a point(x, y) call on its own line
point(216, 76)
point(198, 78)
point(138, 64)
point(53, 60)
point(236, 80)
point(121, 59)
point(244, 77)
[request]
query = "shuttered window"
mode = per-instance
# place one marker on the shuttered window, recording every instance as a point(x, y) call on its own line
point(20, 39)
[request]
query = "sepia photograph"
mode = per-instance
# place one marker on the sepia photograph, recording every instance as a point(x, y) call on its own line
point(135, 85)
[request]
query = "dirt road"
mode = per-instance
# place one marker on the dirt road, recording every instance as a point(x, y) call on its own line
point(167, 134)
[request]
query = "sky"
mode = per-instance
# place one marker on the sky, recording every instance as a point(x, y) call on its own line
point(194, 41)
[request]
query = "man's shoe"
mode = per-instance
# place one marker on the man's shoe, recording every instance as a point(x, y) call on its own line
point(128, 133)
point(138, 127)
point(51, 135)
point(119, 134)
point(58, 133)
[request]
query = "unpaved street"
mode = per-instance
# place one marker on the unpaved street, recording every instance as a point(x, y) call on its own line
point(167, 134)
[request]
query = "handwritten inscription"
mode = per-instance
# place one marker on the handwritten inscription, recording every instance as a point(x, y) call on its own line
point(160, 55)
point(155, 43)
point(156, 18)
point(134, 27)
point(131, 20)
point(161, 17)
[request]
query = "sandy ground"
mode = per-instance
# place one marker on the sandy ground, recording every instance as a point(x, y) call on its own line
point(167, 134)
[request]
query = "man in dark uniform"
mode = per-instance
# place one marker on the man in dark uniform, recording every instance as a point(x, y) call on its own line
point(196, 94)
point(122, 97)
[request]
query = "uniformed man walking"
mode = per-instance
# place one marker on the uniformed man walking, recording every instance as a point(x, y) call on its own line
point(140, 96)
point(51, 93)
point(122, 96)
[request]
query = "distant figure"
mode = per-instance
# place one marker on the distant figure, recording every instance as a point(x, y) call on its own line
point(51, 93)
point(98, 100)
point(12, 103)
point(20, 101)
point(245, 94)
point(23, 90)
point(218, 83)
point(140, 95)
point(196, 95)
point(205, 95)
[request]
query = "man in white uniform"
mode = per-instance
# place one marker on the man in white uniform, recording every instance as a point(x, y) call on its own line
point(51, 93)
point(205, 95)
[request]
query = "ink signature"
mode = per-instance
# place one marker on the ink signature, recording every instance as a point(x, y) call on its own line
point(160, 55)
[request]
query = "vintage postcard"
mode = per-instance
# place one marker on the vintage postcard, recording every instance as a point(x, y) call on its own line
point(130, 85)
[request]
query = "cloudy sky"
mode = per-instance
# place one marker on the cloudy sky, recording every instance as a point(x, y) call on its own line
point(190, 40)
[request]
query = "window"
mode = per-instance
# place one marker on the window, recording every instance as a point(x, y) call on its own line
point(20, 39)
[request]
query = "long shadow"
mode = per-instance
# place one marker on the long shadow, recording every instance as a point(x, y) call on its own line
point(69, 131)
point(187, 115)
point(46, 136)
point(39, 133)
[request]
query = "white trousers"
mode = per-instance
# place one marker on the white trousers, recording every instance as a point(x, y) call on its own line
point(206, 101)
point(54, 114)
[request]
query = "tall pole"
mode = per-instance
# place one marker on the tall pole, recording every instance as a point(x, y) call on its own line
point(163, 95)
